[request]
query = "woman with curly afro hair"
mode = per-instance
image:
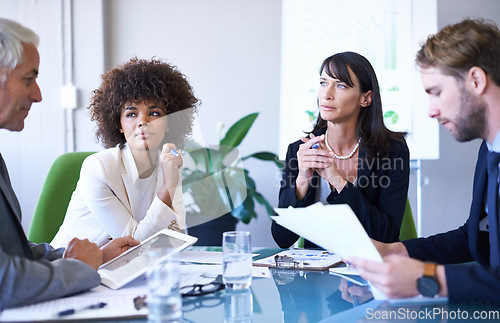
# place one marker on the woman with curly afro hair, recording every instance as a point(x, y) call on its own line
point(144, 112)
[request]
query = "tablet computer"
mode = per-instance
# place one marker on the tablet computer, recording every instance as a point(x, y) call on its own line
point(133, 263)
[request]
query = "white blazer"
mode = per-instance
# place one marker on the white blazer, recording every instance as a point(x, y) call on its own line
point(105, 203)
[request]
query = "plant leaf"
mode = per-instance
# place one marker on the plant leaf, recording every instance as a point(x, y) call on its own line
point(238, 131)
point(245, 212)
point(259, 198)
point(224, 183)
point(191, 178)
point(250, 182)
point(200, 157)
point(267, 156)
point(215, 158)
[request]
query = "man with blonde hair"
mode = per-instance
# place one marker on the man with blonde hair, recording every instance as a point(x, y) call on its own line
point(460, 69)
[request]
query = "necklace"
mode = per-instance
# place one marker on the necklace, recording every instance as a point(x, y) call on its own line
point(335, 154)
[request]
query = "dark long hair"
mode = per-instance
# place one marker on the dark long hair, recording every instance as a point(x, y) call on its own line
point(375, 137)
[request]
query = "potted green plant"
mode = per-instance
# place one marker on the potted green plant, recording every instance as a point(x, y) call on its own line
point(217, 187)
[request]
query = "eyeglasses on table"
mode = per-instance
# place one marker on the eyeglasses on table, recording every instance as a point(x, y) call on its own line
point(187, 291)
point(201, 289)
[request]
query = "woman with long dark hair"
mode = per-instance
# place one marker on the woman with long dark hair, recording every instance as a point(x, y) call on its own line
point(349, 157)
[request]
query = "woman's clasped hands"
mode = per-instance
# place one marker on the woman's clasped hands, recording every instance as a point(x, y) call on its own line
point(318, 159)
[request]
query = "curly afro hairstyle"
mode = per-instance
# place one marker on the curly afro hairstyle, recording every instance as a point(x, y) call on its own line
point(137, 81)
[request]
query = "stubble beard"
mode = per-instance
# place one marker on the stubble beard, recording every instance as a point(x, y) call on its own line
point(471, 121)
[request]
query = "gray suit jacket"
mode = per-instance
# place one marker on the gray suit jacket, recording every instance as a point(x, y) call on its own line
point(29, 272)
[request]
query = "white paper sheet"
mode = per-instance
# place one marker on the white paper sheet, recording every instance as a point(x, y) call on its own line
point(344, 271)
point(349, 274)
point(333, 227)
point(212, 271)
point(201, 257)
point(261, 272)
point(119, 304)
point(307, 259)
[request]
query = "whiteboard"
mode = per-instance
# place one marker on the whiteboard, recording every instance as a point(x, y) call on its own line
point(387, 32)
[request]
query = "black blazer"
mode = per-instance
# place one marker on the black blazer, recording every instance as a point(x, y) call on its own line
point(477, 283)
point(378, 200)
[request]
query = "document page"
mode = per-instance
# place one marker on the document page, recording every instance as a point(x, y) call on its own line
point(201, 257)
point(118, 304)
point(333, 227)
point(303, 258)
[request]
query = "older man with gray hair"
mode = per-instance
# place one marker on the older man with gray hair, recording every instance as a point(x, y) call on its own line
point(29, 272)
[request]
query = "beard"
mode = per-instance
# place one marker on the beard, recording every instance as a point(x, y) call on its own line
point(471, 121)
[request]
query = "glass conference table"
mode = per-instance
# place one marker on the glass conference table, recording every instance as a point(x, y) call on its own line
point(313, 296)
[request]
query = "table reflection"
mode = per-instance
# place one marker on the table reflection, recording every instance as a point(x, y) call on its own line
point(312, 296)
point(354, 294)
point(238, 306)
point(190, 304)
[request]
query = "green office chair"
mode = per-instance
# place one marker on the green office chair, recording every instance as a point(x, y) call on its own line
point(408, 230)
point(55, 196)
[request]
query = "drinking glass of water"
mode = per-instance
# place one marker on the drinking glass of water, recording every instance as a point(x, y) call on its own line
point(237, 259)
point(163, 279)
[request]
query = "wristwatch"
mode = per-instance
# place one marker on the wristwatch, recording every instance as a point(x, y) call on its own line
point(428, 285)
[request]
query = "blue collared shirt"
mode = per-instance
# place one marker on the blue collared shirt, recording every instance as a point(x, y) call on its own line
point(496, 144)
point(483, 224)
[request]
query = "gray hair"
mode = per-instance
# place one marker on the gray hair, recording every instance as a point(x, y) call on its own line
point(12, 35)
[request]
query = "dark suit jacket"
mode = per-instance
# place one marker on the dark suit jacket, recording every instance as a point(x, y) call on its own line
point(31, 273)
point(378, 200)
point(466, 283)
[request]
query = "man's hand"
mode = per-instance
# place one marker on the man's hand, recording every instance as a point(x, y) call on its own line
point(396, 277)
point(85, 251)
point(386, 249)
point(117, 246)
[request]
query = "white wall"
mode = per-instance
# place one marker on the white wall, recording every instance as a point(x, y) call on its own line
point(30, 153)
point(230, 51)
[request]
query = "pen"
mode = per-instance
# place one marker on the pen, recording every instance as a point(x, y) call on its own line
point(73, 310)
point(174, 152)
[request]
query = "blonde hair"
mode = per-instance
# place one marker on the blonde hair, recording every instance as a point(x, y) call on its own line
point(458, 47)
